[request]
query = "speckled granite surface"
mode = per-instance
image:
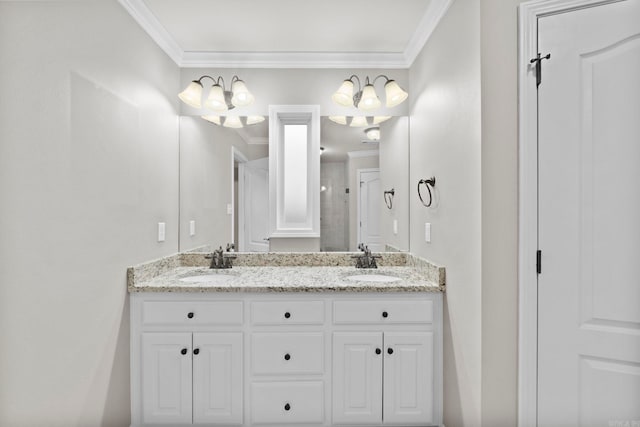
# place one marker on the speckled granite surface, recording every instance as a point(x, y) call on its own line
point(286, 272)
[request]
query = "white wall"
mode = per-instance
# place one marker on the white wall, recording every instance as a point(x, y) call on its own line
point(445, 143)
point(394, 155)
point(499, 212)
point(88, 167)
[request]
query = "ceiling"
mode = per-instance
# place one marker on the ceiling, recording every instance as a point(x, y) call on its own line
point(289, 33)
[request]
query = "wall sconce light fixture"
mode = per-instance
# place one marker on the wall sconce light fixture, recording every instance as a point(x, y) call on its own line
point(219, 99)
point(359, 121)
point(365, 98)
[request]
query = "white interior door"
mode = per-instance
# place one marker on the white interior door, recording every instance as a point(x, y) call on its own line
point(253, 218)
point(589, 217)
point(369, 208)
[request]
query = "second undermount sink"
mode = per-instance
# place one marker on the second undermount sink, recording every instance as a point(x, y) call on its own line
point(208, 278)
point(376, 278)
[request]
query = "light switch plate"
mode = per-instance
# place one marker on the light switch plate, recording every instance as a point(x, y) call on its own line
point(395, 227)
point(161, 231)
point(427, 232)
point(192, 228)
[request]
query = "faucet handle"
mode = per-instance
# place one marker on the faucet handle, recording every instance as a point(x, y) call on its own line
point(231, 247)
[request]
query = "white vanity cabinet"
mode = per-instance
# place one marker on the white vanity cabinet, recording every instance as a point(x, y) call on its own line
point(286, 359)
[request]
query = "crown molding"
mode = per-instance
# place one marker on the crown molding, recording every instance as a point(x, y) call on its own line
point(434, 14)
point(148, 21)
point(363, 153)
point(191, 59)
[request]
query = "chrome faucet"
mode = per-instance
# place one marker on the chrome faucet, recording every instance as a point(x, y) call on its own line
point(366, 259)
point(220, 259)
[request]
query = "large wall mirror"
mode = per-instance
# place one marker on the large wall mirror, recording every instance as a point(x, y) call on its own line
point(224, 191)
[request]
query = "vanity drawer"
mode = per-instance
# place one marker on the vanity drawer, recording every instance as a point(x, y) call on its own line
point(287, 312)
point(290, 353)
point(287, 402)
point(374, 311)
point(192, 312)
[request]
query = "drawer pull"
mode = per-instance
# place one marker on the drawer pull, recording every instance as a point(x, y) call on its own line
point(378, 351)
point(287, 356)
point(287, 315)
point(390, 350)
point(183, 351)
point(287, 407)
point(190, 315)
point(196, 351)
point(385, 314)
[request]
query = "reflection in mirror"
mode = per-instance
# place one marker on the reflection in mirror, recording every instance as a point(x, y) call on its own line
point(223, 201)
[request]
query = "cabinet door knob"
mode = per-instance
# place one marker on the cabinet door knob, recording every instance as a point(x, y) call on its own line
point(287, 356)
point(190, 315)
point(385, 314)
point(287, 315)
point(287, 407)
point(378, 351)
point(183, 351)
point(390, 350)
point(196, 351)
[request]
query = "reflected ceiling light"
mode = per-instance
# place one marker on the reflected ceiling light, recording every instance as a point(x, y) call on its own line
point(234, 122)
point(373, 134)
point(219, 99)
point(366, 98)
point(359, 121)
point(253, 120)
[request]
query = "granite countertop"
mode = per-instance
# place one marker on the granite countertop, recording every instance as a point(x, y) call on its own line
point(282, 272)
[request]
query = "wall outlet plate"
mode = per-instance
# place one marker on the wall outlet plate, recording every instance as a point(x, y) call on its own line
point(192, 228)
point(161, 231)
point(427, 232)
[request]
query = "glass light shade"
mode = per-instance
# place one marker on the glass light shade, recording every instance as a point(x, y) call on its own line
point(341, 120)
point(212, 119)
point(241, 95)
point(373, 133)
point(232, 122)
point(395, 94)
point(344, 95)
point(252, 120)
point(192, 95)
point(358, 122)
point(369, 100)
point(215, 101)
point(379, 119)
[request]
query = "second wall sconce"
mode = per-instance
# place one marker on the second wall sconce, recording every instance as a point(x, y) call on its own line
point(429, 184)
point(365, 98)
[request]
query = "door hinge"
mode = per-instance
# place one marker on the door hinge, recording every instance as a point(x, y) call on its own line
point(538, 61)
point(539, 261)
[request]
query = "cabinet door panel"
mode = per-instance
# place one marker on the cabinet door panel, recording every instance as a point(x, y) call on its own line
point(357, 378)
point(217, 378)
point(166, 378)
point(408, 378)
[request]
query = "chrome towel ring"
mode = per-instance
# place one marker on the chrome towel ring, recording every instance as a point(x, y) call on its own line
point(428, 183)
point(388, 198)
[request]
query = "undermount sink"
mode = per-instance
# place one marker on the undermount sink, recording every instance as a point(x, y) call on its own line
point(208, 278)
point(377, 278)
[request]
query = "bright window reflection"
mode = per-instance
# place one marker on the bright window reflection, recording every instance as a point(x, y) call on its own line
point(295, 173)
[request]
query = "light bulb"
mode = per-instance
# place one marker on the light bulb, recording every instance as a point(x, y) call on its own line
point(241, 95)
point(212, 119)
point(344, 95)
point(215, 101)
point(394, 93)
point(232, 122)
point(369, 100)
point(192, 95)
